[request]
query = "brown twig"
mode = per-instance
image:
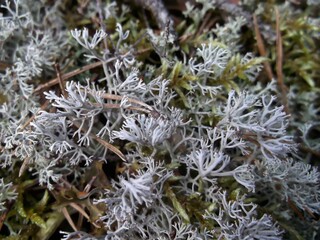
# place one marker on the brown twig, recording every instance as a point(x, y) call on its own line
point(70, 75)
point(207, 23)
point(102, 142)
point(261, 47)
point(43, 107)
point(110, 147)
point(80, 70)
point(5, 213)
point(306, 209)
point(131, 100)
point(118, 106)
point(206, 19)
point(303, 147)
point(61, 82)
point(295, 209)
point(4, 65)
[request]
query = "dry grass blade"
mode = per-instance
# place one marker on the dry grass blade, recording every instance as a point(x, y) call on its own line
point(131, 100)
point(104, 143)
point(4, 65)
point(82, 214)
point(80, 210)
point(279, 60)
point(69, 219)
point(61, 82)
point(5, 214)
point(110, 147)
point(69, 75)
point(295, 209)
point(24, 166)
point(261, 47)
point(118, 106)
point(43, 107)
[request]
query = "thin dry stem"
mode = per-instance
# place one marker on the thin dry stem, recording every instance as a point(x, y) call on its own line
point(80, 70)
point(69, 219)
point(103, 142)
point(80, 210)
point(61, 82)
point(43, 107)
point(24, 166)
point(4, 214)
point(305, 148)
point(118, 106)
point(295, 209)
point(70, 75)
point(261, 47)
point(207, 23)
point(110, 147)
point(131, 100)
point(279, 61)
